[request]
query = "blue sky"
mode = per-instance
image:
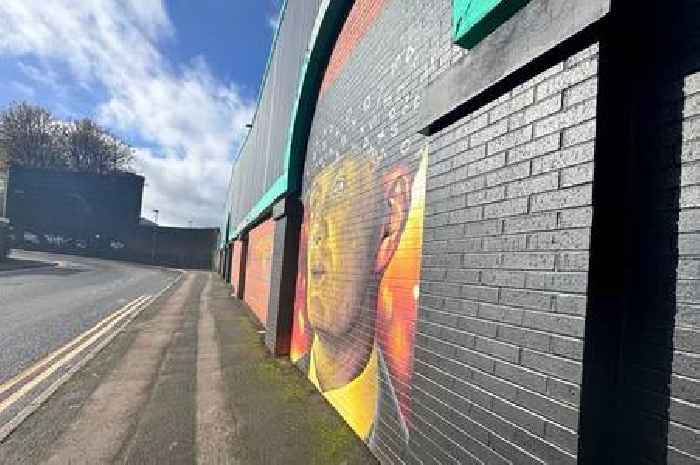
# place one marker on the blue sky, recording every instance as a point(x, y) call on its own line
point(177, 79)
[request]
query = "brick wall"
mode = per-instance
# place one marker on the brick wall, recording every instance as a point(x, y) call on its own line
point(684, 408)
point(259, 268)
point(488, 369)
point(508, 216)
point(236, 256)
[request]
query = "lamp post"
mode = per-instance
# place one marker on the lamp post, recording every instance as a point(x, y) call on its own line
point(154, 236)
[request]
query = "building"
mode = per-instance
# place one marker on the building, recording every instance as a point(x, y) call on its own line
point(475, 225)
point(97, 215)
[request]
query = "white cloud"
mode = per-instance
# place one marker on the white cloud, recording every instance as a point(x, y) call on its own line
point(273, 21)
point(191, 121)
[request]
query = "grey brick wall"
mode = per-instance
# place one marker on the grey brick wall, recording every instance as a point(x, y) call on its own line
point(684, 431)
point(505, 259)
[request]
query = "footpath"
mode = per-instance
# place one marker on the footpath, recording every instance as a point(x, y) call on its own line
point(187, 382)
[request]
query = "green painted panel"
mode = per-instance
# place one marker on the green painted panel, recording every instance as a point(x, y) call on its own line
point(473, 20)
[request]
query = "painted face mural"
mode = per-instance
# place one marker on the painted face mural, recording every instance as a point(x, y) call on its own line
point(357, 287)
point(360, 251)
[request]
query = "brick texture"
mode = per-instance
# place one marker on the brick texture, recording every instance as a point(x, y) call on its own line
point(508, 214)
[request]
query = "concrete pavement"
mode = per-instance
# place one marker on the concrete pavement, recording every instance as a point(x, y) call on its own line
point(188, 381)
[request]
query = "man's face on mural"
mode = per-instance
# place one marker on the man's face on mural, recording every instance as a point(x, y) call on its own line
point(344, 235)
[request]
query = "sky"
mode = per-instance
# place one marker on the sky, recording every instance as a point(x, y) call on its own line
point(176, 79)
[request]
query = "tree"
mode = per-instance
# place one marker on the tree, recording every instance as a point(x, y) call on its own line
point(92, 149)
point(30, 136)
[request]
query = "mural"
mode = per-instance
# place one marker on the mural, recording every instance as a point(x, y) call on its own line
point(259, 268)
point(360, 253)
point(357, 287)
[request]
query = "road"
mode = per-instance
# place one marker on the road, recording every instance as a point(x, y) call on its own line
point(42, 309)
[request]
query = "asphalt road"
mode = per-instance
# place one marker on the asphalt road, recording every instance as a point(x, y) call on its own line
point(44, 308)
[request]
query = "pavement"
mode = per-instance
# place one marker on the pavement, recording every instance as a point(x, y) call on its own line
point(185, 380)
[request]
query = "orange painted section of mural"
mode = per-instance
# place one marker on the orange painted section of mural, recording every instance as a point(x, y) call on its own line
point(259, 268)
point(236, 264)
point(358, 23)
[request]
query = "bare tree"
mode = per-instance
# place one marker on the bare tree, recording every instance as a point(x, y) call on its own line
point(30, 136)
point(92, 149)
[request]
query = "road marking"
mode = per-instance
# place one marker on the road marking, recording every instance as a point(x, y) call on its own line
point(52, 356)
point(44, 395)
point(65, 359)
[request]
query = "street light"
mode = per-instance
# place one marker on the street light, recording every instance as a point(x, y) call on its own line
point(153, 238)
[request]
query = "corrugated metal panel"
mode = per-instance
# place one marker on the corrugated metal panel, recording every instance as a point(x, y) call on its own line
point(262, 161)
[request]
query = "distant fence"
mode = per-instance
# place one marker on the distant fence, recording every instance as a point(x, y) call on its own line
point(174, 247)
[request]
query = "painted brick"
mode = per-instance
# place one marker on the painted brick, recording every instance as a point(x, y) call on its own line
point(556, 366)
point(521, 376)
point(563, 391)
point(493, 194)
point(558, 412)
point(497, 349)
point(573, 261)
point(690, 196)
point(579, 134)
point(690, 174)
point(469, 156)
point(469, 185)
point(466, 214)
point(487, 164)
point(541, 222)
point(537, 340)
point(567, 157)
point(503, 278)
point(534, 149)
point(574, 175)
point(507, 174)
point(570, 117)
point(480, 260)
point(567, 347)
point(464, 245)
point(505, 243)
point(463, 276)
point(480, 293)
point(483, 228)
point(512, 105)
point(569, 239)
point(580, 92)
point(528, 261)
point(528, 299)
point(533, 185)
point(538, 111)
point(567, 78)
point(689, 244)
point(572, 197)
point(488, 133)
point(507, 208)
point(509, 140)
point(576, 218)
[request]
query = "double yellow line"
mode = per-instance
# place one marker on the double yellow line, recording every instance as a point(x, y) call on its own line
point(25, 382)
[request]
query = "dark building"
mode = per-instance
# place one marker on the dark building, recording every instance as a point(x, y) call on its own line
point(97, 215)
point(73, 204)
